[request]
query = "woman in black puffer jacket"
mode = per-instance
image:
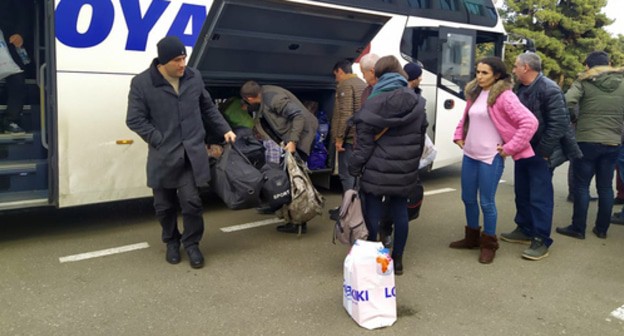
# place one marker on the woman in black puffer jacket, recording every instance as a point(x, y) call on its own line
point(390, 133)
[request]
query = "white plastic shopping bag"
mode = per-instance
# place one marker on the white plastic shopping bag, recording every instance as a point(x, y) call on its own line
point(369, 295)
point(7, 65)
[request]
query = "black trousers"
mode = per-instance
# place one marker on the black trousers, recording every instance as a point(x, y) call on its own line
point(16, 93)
point(166, 202)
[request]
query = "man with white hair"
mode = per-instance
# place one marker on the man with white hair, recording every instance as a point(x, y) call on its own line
point(367, 67)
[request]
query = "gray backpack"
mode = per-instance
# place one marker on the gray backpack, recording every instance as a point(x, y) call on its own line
point(350, 225)
point(306, 202)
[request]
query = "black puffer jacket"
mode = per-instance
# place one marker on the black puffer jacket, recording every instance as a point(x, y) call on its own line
point(389, 166)
point(554, 137)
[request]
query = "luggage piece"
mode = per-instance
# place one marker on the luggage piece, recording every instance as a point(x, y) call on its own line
point(306, 202)
point(8, 67)
point(235, 115)
point(350, 225)
point(369, 294)
point(236, 181)
point(276, 187)
point(250, 146)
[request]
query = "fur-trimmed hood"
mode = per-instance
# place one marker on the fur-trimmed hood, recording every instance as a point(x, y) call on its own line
point(473, 90)
point(606, 78)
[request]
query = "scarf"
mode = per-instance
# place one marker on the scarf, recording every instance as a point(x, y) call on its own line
point(388, 82)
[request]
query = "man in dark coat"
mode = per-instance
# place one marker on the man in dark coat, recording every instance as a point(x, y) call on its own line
point(281, 116)
point(14, 27)
point(167, 106)
point(553, 143)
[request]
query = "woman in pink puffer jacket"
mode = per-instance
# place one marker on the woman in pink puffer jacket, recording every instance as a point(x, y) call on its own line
point(495, 125)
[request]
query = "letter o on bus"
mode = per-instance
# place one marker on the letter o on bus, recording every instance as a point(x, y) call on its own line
point(67, 14)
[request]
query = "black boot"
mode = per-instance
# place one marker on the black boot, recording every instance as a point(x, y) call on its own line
point(173, 252)
point(293, 228)
point(398, 264)
point(195, 256)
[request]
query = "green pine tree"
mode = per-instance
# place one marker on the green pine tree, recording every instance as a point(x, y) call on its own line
point(564, 32)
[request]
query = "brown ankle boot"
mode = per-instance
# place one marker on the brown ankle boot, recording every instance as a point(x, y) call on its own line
point(489, 245)
point(470, 241)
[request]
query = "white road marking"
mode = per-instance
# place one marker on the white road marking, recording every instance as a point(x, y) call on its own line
point(439, 191)
point(102, 253)
point(618, 313)
point(502, 181)
point(251, 225)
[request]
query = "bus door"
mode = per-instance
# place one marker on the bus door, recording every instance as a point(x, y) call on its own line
point(24, 167)
point(455, 69)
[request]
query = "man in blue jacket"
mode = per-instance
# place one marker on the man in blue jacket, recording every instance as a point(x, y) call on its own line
point(167, 107)
point(533, 176)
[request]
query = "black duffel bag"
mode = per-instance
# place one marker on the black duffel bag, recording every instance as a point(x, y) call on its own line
point(276, 188)
point(236, 181)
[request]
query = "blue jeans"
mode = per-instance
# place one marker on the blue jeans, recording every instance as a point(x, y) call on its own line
point(534, 197)
point(397, 207)
point(482, 178)
point(346, 179)
point(600, 160)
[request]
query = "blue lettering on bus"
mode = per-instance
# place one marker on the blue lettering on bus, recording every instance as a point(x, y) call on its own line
point(139, 28)
point(390, 293)
point(188, 12)
point(67, 13)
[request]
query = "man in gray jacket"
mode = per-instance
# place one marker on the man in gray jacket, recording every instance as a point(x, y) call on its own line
point(283, 118)
point(167, 106)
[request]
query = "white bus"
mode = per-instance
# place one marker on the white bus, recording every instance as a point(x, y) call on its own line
point(77, 149)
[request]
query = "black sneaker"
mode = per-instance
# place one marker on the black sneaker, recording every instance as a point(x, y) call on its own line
point(601, 235)
point(334, 213)
point(618, 200)
point(569, 231)
point(13, 128)
point(292, 228)
point(617, 218)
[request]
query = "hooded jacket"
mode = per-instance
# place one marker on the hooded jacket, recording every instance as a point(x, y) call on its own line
point(599, 93)
point(389, 166)
point(514, 122)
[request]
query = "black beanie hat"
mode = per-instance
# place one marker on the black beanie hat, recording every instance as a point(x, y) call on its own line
point(412, 70)
point(596, 58)
point(169, 48)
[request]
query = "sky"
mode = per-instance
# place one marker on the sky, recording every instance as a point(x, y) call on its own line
point(613, 8)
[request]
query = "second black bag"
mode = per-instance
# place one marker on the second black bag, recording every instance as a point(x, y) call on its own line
point(276, 188)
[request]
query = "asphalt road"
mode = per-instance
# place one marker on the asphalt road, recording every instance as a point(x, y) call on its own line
point(260, 282)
